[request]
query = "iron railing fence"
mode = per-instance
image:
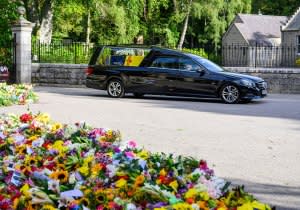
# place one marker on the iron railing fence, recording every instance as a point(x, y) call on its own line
point(62, 52)
point(260, 56)
point(229, 55)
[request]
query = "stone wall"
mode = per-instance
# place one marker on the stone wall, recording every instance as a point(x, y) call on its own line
point(280, 80)
point(73, 75)
point(65, 75)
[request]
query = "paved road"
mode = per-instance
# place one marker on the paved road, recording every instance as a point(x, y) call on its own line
point(256, 144)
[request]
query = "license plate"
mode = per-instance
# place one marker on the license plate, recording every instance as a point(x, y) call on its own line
point(264, 92)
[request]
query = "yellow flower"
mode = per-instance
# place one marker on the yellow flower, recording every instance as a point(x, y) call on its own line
point(31, 160)
point(95, 169)
point(43, 117)
point(204, 196)
point(144, 154)
point(182, 206)
point(191, 193)
point(121, 183)
point(102, 139)
point(163, 172)
point(174, 185)
point(21, 150)
point(100, 196)
point(85, 202)
point(48, 207)
point(56, 126)
point(32, 138)
point(62, 176)
point(254, 205)
point(24, 190)
point(161, 208)
point(58, 145)
point(84, 170)
point(88, 159)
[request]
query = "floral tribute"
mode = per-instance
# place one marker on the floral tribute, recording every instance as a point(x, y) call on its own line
point(16, 94)
point(46, 165)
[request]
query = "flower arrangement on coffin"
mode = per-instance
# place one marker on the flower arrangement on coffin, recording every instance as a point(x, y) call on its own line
point(47, 165)
point(16, 94)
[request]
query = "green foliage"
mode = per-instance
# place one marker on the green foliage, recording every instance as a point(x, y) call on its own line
point(278, 7)
point(7, 16)
point(196, 51)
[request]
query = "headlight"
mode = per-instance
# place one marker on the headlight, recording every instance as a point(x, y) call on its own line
point(248, 83)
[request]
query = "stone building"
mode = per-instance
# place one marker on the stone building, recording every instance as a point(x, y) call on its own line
point(253, 40)
point(291, 39)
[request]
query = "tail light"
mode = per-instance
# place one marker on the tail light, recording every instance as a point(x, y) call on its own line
point(89, 70)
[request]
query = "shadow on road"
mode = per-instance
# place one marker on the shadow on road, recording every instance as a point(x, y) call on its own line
point(277, 193)
point(275, 106)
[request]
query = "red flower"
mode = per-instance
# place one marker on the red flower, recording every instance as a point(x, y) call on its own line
point(26, 118)
point(203, 165)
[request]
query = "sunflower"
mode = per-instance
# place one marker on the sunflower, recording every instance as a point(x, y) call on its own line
point(85, 202)
point(21, 150)
point(31, 160)
point(61, 175)
point(100, 196)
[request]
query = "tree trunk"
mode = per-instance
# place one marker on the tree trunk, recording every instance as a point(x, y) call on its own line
point(145, 10)
point(88, 27)
point(175, 6)
point(185, 26)
point(47, 22)
point(32, 13)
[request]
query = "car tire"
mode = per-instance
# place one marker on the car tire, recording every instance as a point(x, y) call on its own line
point(115, 88)
point(138, 95)
point(230, 94)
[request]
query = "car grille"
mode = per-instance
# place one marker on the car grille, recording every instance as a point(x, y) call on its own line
point(262, 85)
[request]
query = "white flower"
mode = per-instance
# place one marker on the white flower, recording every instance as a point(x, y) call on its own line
point(72, 178)
point(64, 201)
point(53, 185)
point(112, 170)
point(130, 206)
point(195, 206)
point(38, 143)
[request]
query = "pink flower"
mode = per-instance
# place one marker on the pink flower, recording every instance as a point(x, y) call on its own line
point(132, 144)
point(129, 154)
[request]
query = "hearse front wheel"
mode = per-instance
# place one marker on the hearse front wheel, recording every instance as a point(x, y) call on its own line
point(115, 88)
point(230, 94)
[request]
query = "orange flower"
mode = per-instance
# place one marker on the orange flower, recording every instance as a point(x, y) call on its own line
point(139, 180)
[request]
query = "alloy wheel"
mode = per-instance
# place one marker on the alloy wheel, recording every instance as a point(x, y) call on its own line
point(115, 89)
point(230, 94)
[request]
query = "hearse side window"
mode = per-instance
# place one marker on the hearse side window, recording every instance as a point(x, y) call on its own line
point(121, 56)
point(188, 65)
point(165, 62)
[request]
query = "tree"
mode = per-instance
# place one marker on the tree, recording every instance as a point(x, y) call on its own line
point(278, 7)
point(8, 14)
point(185, 25)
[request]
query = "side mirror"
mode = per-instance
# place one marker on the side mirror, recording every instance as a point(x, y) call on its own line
point(201, 71)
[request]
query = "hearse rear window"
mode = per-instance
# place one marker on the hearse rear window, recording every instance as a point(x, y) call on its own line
point(121, 56)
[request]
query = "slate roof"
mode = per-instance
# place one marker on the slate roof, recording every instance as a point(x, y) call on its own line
point(293, 23)
point(260, 29)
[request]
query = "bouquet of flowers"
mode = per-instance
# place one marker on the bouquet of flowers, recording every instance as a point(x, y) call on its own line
point(16, 94)
point(48, 165)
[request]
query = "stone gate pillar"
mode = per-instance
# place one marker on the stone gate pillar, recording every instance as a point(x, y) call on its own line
point(21, 30)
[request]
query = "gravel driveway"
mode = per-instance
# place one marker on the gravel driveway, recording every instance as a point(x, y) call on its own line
point(256, 144)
